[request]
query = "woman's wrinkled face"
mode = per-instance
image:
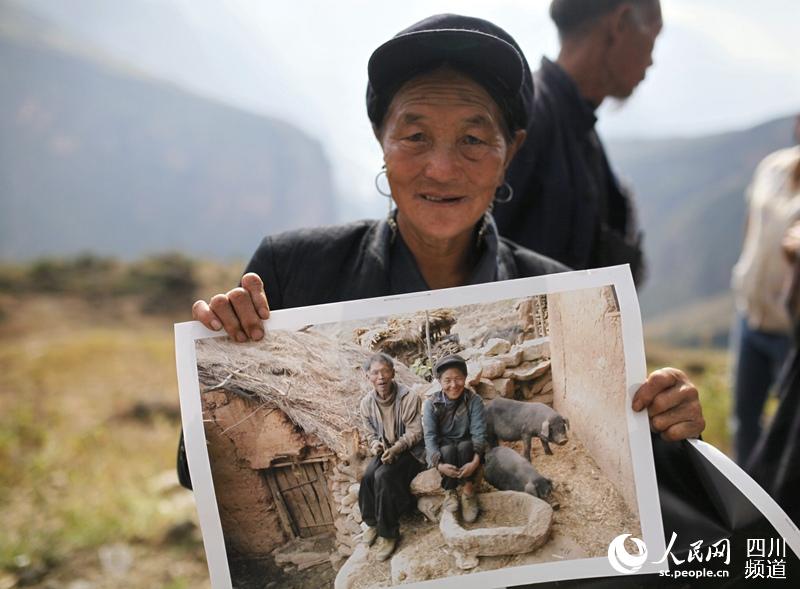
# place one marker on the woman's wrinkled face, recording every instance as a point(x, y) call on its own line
point(445, 152)
point(452, 381)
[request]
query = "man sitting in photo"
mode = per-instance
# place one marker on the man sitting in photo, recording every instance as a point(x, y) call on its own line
point(391, 417)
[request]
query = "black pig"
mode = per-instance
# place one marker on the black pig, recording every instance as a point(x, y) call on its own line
point(517, 420)
point(508, 471)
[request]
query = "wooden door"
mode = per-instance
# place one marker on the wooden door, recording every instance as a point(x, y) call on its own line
point(302, 497)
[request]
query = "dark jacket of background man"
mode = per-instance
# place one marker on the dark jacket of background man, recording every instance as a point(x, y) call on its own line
point(567, 203)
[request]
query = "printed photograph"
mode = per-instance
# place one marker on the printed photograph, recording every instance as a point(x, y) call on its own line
point(449, 442)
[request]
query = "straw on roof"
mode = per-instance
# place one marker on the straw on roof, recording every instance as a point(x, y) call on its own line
point(314, 379)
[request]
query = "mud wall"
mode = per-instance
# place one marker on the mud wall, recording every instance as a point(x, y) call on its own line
point(588, 367)
point(241, 440)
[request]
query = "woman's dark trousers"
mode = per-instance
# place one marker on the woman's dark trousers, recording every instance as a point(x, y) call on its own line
point(457, 454)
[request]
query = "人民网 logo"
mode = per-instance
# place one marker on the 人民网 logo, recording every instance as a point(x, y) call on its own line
point(623, 561)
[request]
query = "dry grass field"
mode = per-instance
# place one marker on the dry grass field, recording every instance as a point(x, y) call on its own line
point(88, 427)
point(88, 430)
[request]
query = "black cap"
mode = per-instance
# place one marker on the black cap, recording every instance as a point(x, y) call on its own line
point(473, 46)
point(452, 361)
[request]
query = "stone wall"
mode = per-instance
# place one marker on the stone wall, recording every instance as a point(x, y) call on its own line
point(345, 485)
point(504, 369)
point(588, 371)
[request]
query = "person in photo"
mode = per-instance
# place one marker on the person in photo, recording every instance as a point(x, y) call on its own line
point(454, 424)
point(390, 415)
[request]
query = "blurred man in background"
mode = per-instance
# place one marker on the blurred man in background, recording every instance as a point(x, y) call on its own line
point(567, 202)
point(761, 336)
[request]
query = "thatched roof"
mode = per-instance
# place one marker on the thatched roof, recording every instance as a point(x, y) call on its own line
point(314, 379)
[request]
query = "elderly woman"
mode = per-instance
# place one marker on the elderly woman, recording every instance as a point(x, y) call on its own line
point(445, 104)
point(454, 428)
point(444, 98)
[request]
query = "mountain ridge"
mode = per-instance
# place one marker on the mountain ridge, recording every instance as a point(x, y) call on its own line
point(118, 163)
point(691, 198)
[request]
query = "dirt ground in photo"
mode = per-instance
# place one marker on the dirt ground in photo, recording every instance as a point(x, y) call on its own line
point(588, 511)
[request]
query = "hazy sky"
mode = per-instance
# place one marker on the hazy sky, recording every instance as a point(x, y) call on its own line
point(719, 64)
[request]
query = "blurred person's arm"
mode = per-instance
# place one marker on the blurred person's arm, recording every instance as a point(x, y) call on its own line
point(791, 249)
point(791, 242)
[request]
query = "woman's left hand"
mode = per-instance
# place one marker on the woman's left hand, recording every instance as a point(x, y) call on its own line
point(673, 404)
point(470, 467)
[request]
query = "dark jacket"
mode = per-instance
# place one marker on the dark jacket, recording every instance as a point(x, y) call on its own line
point(468, 422)
point(567, 202)
point(408, 421)
point(352, 261)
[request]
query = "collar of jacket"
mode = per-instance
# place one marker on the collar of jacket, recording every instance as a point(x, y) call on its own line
point(400, 391)
point(554, 77)
point(440, 399)
point(496, 261)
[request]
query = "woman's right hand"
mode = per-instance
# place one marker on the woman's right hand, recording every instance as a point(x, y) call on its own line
point(239, 311)
point(447, 470)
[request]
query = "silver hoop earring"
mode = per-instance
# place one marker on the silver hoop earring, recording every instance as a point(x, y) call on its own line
point(509, 193)
point(382, 172)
